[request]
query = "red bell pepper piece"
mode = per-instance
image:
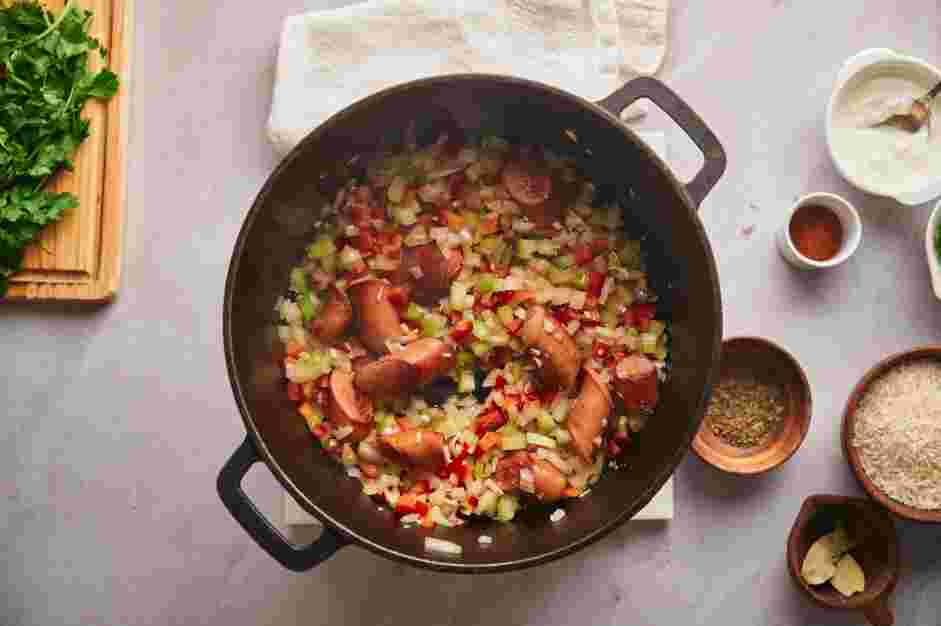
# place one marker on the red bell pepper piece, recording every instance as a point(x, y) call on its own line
point(642, 314)
point(295, 392)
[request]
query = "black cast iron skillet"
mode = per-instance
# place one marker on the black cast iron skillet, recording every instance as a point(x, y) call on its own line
point(281, 223)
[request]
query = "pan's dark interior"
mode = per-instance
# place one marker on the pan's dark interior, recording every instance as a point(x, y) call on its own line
point(281, 223)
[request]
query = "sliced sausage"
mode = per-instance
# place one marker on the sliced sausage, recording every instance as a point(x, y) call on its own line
point(527, 183)
point(507, 472)
point(455, 263)
point(347, 408)
point(379, 320)
point(401, 373)
point(635, 380)
point(387, 378)
point(432, 357)
point(552, 211)
point(427, 270)
point(548, 481)
point(585, 420)
point(420, 447)
point(559, 353)
point(335, 317)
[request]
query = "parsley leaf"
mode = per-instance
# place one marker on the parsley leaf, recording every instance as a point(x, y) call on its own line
point(44, 83)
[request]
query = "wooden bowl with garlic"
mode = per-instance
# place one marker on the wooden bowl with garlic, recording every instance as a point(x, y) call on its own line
point(843, 553)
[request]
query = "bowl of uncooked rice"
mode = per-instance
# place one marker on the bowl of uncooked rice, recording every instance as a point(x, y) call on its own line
point(892, 433)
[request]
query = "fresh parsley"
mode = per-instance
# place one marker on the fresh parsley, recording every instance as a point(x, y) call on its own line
point(937, 241)
point(44, 83)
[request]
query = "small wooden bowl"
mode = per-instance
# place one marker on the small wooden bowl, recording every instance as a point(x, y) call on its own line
point(849, 422)
point(877, 554)
point(760, 357)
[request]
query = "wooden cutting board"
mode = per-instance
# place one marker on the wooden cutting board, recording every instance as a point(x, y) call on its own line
point(79, 258)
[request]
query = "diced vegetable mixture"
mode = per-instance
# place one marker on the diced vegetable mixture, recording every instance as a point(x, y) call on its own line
point(469, 334)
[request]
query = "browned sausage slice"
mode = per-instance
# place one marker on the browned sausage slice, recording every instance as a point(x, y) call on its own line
point(528, 184)
point(548, 481)
point(507, 473)
point(347, 408)
point(432, 357)
point(389, 377)
point(427, 270)
point(335, 317)
point(585, 420)
point(635, 380)
point(559, 353)
point(379, 320)
point(420, 447)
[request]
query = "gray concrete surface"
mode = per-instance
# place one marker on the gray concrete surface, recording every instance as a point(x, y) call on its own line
point(116, 420)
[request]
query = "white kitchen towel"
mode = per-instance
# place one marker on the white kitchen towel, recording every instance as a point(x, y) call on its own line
point(330, 59)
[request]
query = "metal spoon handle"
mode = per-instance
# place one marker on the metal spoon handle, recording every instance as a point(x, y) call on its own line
point(928, 97)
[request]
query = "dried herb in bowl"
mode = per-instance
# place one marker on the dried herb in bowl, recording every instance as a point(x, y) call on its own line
point(745, 410)
point(44, 83)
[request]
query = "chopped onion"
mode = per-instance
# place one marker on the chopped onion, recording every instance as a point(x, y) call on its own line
point(485, 540)
point(557, 515)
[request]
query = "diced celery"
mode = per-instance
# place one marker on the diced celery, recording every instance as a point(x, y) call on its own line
point(307, 307)
point(479, 348)
point(322, 248)
point(384, 421)
point(581, 280)
point(656, 327)
point(458, 299)
point(433, 325)
point(405, 216)
point(397, 189)
point(512, 439)
point(481, 331)
point(648, 343)
point(631, 255)
point(565, 261)
point(487, 283)
point(505, 314)
point(526, 248)
point(562, 436)
point(414, 312)
point(560, 277)
point(465, 359)
point(491, 245)
point(547, 247)
point(466, 384)
point(507, 506)
point(298, 280)
point(349, 256)
point(535, 439)
point(545, 422)
point(487, 504)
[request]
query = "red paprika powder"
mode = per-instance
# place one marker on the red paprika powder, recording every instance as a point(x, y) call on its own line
point(817, 232)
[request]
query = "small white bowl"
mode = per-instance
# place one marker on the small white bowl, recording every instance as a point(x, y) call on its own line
point(849, 219)
point(854, 66)
point(934, 263)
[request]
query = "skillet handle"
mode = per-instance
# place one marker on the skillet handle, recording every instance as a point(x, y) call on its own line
point(229, 486)
point(687, 119)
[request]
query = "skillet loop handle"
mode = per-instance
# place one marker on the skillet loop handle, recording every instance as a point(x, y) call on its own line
point(229, 486)
point(878, 612)
point(687, 119)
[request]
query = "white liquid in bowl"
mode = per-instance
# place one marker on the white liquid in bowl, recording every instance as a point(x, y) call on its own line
point(886, 158)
